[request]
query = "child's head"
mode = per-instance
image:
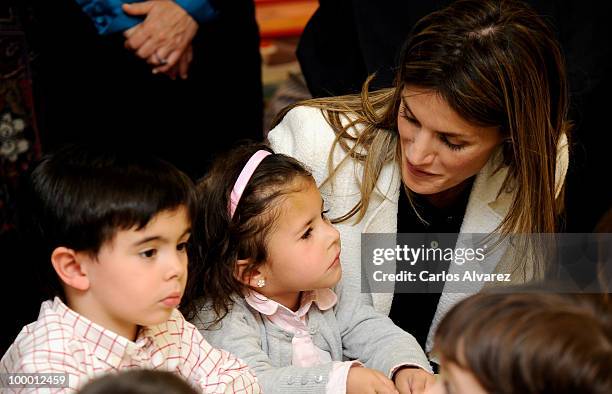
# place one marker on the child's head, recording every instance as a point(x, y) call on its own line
point(113, 227)
point(140, 381)
point(277, 240)
point(526, 343)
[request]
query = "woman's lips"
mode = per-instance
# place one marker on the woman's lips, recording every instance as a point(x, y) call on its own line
point(418, 172)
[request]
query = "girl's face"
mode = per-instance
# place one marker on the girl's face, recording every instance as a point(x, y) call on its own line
point(439, 150)
point(455, 380)
point(303, 248)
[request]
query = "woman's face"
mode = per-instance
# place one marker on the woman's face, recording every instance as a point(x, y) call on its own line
point(439, 149)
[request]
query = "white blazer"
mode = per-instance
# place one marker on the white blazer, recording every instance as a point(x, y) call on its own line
point(305, 135)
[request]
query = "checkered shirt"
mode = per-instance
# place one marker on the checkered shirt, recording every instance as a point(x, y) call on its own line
point(61, 340)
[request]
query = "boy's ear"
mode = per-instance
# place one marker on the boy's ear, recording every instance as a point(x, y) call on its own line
point(250, 278)
point(69, 267)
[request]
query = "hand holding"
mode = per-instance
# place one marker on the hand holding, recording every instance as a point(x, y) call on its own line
point(363, 380)
point(413, 380)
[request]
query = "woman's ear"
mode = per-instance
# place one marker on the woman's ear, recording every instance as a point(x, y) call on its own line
point(68, 265)
point(252, 278)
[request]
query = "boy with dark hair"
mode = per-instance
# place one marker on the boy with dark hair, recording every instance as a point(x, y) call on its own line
point(115, 227)
point(141, 381)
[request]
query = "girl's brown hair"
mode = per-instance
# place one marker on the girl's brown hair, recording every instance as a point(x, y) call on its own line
point(222, 239)
point(497, 64)
point(531, 343)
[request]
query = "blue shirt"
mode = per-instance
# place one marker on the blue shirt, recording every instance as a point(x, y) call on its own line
point(108, 17)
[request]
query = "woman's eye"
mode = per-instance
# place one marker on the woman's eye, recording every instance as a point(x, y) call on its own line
point(182, 246)
point(324, 214)
point(147, 254)
point(409, 117)
point(306, 235)
point(452, 146)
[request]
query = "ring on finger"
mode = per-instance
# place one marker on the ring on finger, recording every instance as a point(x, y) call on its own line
point(160, 60)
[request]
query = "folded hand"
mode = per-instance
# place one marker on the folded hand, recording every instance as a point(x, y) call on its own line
point(164, 38)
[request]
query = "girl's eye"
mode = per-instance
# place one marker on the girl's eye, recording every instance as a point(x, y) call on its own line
point(324, 214)
point(147, 254)
point(182, 247)
point(452, 146)
point(306, 235)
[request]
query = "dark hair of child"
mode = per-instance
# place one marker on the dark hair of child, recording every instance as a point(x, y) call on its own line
point(223, 239)
point(531, 343)
point(80, 196)
point(139, 381)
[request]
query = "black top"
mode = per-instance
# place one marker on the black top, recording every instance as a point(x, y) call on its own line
point(414, 312)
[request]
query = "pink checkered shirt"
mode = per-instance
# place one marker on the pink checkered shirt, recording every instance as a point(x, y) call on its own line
point(61, 340)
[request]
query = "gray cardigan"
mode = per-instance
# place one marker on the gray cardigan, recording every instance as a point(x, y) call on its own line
point(351, 330)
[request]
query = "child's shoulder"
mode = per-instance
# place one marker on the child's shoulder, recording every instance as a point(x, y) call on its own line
point(239, 312)
point(49, 328)
point(47, 341)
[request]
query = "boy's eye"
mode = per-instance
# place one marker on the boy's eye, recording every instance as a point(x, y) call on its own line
point(447, 387)
point(306, 235)
point(148, 253)
point(182, 246)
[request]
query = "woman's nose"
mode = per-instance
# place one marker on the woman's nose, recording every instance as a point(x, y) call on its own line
point(421, 148)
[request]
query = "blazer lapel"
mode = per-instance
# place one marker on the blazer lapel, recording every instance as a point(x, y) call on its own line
point(383, 219)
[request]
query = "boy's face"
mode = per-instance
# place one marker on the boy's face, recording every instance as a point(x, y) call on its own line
point(455, 380)
point(138, 278)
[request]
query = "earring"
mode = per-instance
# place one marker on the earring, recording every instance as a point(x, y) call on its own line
point(261, 283)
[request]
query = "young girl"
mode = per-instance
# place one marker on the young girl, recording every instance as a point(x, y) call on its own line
point(526, 343)
point(270, 258)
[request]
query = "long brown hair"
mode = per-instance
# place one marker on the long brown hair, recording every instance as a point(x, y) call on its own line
point(497, 64)
point(531, 343)
point(222, 239)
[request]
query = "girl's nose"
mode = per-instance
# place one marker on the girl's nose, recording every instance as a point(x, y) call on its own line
point(334, 234)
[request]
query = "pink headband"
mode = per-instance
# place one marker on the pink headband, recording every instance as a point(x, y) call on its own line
point(244, 177)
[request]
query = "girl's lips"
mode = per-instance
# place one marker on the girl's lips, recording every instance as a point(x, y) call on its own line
point(336, 261)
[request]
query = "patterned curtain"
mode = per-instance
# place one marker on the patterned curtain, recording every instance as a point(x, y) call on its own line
point(19, 139)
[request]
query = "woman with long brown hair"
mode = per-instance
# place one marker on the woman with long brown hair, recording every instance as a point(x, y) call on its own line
point(473, 138)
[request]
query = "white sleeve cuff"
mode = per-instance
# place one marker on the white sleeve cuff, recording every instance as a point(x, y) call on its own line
point(338, 376)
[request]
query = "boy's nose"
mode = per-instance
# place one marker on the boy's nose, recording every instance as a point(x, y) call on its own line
point(437, 388)
point(177, 265)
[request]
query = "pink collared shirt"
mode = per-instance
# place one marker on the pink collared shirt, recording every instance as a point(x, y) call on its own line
point(61, 340)
point(304, 352)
